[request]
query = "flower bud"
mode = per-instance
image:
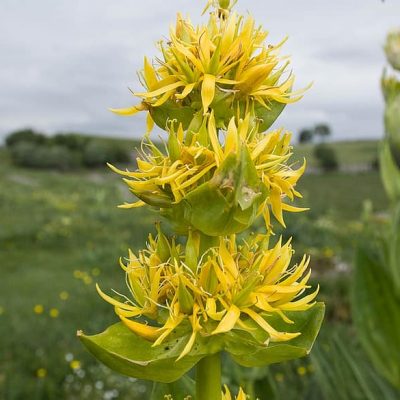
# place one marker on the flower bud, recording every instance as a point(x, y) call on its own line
point(185, 298)
point(224, 4)
point(163, 248)
point(392, 48)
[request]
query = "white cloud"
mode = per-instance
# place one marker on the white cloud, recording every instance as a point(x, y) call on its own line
point(63, 63)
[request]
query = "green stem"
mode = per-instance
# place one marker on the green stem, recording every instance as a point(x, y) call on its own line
point(208, 378)
point(250, 389)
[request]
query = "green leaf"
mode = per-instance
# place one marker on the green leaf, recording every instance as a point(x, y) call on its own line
point(376, 314)
point(340, 359)
point(129, 354)
point(390, 172)
point(170, 111)
point(248, 352)
point(249, 186)
point(186, 386)
point(392, 248)
point(268, 117)
point(223, 108)
point(228, 203)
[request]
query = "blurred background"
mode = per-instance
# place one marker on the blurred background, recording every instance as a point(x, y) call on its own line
point(62, 65)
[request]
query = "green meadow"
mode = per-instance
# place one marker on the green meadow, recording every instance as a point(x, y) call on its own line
point(60, 233)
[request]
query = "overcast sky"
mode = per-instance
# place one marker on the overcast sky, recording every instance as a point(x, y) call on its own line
point(64, 62)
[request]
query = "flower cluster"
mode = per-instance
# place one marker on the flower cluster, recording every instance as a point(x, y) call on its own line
point(224, 65)
point(222, 289)
point(241, 162)
point(216, 89)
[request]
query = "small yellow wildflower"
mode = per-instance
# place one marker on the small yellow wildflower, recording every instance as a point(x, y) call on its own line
point(75, 364)
point(41, 373)
point(279, 377)
point(38, 309)
point(301, 370)
point(78, 274)
point(95, 271)
point(64, 295)
point(54, 312)
point(328, 252)
point(87, 280)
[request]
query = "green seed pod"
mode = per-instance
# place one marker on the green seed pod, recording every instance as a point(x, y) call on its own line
point(186, 300)
point(163, 248)
point(194, 126)
point(392, 48)
point(174, 149)
point(174, 252)
point(192, 250)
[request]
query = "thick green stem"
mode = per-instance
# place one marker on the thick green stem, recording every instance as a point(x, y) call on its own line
point(208, 378)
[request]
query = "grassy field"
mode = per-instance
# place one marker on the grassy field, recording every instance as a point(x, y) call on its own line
point(349, 153)
point(61, 232)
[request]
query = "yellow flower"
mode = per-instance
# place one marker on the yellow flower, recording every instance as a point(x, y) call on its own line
point(193, 158)
point(75, 364)
point(301, 370)
point(87, 280)
point(78, 274)
point(41, 373)
point(227, 394)
point(230, 286)
point(38, 309)
point(54, 312)
point(64, 295)
point(225, 64)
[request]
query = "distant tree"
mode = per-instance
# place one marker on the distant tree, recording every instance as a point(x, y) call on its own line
point(73, 141)
point(326, 157)
point(322, 130)
point(25, 135)
point(306, 136)
point(35, 155)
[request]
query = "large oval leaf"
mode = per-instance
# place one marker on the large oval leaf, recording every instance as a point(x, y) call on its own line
point(269, 116)
point(170, 111)
point(248, 352)
point(129, 354)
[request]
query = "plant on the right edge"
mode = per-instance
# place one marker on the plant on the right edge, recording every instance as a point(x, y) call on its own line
point(376, 294)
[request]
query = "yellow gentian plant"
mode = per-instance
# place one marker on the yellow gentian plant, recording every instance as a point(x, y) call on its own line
point(377, 266)
point(212, 288)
